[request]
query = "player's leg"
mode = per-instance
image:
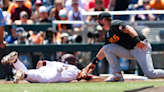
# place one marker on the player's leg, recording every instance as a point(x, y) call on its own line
point(12, 58)
point(145, 61)
point(111, 51)
point(41, 75)
point(7, 69)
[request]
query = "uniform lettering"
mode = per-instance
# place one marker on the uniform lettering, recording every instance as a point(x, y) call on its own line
point(114, 39)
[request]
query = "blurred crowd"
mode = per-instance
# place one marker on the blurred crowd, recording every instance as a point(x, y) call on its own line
point(17, 12)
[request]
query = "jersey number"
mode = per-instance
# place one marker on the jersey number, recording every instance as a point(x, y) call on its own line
point(114, 39)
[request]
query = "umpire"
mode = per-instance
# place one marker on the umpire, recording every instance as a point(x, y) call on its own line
point(124, 41)
point(7, 70)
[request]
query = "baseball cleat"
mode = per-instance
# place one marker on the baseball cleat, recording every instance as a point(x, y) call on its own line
point(10, 58)
point(115, 78)
point(19, 76)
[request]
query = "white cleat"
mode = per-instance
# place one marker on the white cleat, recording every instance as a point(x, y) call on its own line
point(10, 58)
point(19, 76)
point(115, 78)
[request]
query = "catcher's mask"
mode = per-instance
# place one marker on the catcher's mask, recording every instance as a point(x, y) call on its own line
point(68, 58)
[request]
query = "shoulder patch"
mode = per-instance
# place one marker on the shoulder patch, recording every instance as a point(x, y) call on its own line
point(120, 28)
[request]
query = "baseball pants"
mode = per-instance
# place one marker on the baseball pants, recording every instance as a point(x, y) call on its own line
point(143, 58)
point(7, 69)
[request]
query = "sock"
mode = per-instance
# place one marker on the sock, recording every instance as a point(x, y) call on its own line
point(15, 61)
point(25, 75)
point(44, 63)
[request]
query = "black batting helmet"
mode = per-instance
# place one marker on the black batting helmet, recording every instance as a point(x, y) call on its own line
point(68, 58)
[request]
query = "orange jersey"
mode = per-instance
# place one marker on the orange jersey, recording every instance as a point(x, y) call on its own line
point(158, 6)
point(26, 4)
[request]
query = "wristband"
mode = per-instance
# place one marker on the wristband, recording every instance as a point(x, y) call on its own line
point(136, 39)
point(95, 60)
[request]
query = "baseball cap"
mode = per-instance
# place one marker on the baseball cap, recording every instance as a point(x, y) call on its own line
point(75, 2)
point(23, 13)
point(145, 1)
point(38, 2)
point(104, 15)
point(63, 13)
point(64, 35)
point(42, 9)
point(19, 30)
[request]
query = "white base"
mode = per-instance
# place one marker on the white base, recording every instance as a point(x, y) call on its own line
point(128, 77)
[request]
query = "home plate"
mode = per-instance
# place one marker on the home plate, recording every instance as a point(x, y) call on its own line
point(128, 77)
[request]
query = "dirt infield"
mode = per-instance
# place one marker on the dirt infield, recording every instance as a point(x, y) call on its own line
point(81, 81)
point(11, 82)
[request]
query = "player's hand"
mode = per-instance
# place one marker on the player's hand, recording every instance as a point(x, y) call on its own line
point(90, 66)
point(2, 45)
point(84, 72)
point(142, 46)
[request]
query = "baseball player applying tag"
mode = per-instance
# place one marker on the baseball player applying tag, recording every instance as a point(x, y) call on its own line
point(124, 41)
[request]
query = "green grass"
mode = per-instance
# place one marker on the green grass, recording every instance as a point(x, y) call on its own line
point(77, 87)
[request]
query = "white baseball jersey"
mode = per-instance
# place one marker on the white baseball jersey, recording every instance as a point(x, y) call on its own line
point(51, 73)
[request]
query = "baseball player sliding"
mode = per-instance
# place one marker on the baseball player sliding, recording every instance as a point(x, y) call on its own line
point(124, 41)
point(47, 72)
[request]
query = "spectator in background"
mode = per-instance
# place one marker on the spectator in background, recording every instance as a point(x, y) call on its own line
point(6, 4)
point(35, 15)
point(92, 4)
point(76, 15)
point(96, 36)
point(119, 5)
point(23, 36)
point(157, 4)
point(144, 17)
point(36, 39)
point(63, 16)
point(98, 7)
point(51, 37)
point(43, 15)
point(16, 11)
point(68, 4)
point(54, 14)
point(23, 19)
point(14, 36)
point(6, 15)
point(13, 4)
point(133, 4)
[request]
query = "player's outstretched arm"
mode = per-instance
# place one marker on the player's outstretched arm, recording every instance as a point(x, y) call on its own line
point(91, 66)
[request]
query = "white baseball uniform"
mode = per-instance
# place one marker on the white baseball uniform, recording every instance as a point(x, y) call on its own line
point(51, 73)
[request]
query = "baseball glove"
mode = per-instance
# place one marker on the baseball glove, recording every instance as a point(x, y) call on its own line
point(84, 73)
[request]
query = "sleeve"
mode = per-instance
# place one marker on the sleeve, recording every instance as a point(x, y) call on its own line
point(7, 39)
point(118, 26)
point(82, 18)
point(70, 15)
point(2, 20)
